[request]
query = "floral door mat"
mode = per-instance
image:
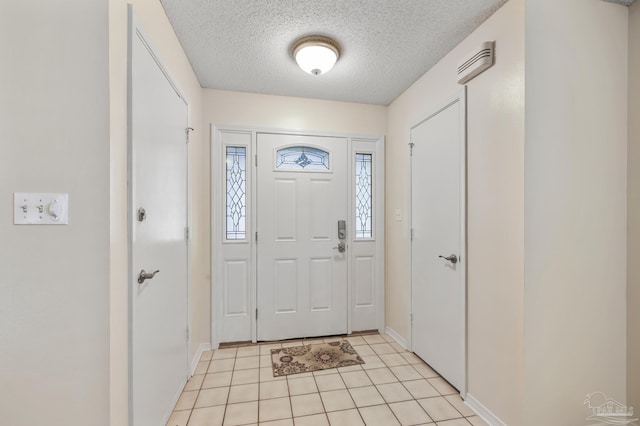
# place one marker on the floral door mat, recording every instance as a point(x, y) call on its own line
point(306, 358)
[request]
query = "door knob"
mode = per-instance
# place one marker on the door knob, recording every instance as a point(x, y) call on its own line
point(341, 247)
point(451, 258)
point(142, 214)
point(146, 275)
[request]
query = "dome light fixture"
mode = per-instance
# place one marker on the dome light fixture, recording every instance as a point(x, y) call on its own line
point(316, 54)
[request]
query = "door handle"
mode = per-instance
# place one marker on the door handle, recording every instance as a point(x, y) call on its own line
point(146, 275)
point(341, 247)
point(451, 258)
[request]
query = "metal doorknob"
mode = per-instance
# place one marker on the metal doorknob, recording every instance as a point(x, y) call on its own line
point(341, 247)
point(142, 214)
point(451, 258)
point(146, 275)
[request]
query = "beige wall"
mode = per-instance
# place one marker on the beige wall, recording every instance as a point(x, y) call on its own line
point(633, 213)
point(56, 322)
point(54, 280)
point(575, 207)
point(157, 29)
point(281, 112)
point(495, 144)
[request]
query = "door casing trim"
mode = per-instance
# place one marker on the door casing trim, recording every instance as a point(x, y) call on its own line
point(217, 194)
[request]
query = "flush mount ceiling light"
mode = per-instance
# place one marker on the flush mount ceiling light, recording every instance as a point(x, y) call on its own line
point(316, 54)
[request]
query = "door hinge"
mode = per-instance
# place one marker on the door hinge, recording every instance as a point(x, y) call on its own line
point(256, 160)
point(256, 236)
point(411, 318)
point(411, 234)
point(186, 233)
point(256, 314)
point(411, 144)
point(187, 334)
point(188, 129)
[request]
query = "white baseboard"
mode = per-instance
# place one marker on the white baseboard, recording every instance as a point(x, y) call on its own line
point(482, 411)
point(399, 340)
point(196, 358)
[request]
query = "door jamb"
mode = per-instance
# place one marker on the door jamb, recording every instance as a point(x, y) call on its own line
point(460, 95)
point(216, 195)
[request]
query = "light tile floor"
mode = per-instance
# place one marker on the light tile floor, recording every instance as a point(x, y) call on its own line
point(235, 386)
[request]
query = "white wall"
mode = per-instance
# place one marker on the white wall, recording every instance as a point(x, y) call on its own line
point(575, 207)
point(495, 141)
point(155, 24)
point(633, 213)
point(54, 280)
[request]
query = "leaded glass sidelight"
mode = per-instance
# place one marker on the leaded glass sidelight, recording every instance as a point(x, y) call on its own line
point(364, 196)
point(236, 157)
point(302, 158)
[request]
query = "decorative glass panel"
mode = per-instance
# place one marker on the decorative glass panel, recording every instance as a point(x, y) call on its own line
point(236, 192)
point(302, 158)
point(364, 198)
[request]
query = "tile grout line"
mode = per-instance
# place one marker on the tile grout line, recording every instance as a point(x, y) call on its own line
point(288, 389)
point(226, 405)
point(393, 412)
point(324, 408)
point(259, 381)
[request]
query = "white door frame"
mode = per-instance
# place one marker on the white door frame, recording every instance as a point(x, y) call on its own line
point(135, 30)
point(245, 318)
point(459, 96)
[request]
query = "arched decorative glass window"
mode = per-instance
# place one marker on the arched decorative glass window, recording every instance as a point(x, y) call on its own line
point(302, 158)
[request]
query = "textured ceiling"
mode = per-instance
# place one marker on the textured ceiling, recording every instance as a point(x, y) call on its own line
point(245, 45)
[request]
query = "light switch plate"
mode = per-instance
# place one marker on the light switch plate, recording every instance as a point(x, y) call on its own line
point(40, 208)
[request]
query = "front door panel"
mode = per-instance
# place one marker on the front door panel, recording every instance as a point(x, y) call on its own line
point(302, 276)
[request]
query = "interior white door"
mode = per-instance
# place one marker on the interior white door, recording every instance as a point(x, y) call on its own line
point(302, 275)
point(437, 212)
point(158, 184)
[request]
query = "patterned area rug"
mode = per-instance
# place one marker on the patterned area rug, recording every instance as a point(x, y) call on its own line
point(302, 359)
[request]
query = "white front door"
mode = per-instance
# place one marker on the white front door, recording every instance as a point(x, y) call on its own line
point(158, 184)
point(302, 275)
point(438, 255)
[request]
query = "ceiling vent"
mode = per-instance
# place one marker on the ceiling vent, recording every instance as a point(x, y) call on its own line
point(478, 61)
point(622, 2)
